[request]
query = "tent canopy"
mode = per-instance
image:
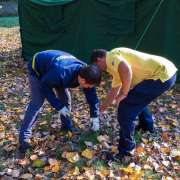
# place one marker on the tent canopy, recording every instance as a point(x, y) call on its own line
point(79, 26)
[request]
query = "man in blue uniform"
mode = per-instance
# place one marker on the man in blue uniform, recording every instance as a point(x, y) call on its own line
point(58, 70)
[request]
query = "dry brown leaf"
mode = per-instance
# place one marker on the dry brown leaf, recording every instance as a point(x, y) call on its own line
point(53, 162)
point(25, 162)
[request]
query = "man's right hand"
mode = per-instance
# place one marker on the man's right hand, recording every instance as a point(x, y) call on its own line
point(63, 111)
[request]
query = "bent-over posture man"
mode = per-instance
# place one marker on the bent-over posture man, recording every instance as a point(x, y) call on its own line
point(149, 75)
point(58, 70)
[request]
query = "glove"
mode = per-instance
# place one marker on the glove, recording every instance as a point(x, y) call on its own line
point(63, 111)
point(95, 121)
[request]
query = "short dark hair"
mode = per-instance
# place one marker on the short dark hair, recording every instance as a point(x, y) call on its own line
point(98, 53)
point(91, 74)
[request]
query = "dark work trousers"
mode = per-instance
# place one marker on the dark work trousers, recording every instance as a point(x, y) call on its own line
point(37, 100)
point(134, 106)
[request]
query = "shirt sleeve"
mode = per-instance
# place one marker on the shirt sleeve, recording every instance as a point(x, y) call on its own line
point(47, 83)
point(91, 96)
point(113, 61)
point(116, 82)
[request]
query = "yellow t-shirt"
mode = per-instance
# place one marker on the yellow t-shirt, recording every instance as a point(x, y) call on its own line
point(144, 66)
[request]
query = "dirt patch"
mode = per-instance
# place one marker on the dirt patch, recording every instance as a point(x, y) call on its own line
point(8, 9)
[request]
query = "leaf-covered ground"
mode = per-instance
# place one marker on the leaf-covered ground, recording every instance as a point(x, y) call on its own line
point(63, 155)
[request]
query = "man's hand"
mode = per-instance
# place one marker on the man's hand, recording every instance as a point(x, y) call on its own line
point(64, 111)
point(95, 121)
point(119, 98)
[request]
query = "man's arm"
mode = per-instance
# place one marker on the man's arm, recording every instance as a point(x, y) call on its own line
point(91, 97)
point(109, 99)
point(125, 73)
point(47, 83)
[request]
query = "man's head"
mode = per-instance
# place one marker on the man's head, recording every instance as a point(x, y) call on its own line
point(98, 58)
point(89, 76)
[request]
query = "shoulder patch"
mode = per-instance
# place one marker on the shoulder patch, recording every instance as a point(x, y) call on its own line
point(113, 63)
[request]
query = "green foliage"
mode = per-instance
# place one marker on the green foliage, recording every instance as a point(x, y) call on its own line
point(58, 153)
point(2, 72)
point(99, 164)
point(9, 22)
point(137, 136)
point(90, 137)
point(116, 166)
point(144, 158)
point(2, 107)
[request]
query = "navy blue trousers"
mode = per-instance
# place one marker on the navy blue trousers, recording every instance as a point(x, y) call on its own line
point(134, 107)
point(37, 100)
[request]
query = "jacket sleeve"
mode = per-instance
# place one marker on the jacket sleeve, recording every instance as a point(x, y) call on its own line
point(47, 83)
point(91, 96)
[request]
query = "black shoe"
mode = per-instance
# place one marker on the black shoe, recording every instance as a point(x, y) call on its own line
point(137, 128)
point(118, 157)
point(24, 147)
point(70, 129)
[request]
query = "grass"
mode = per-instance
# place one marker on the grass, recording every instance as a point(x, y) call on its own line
point(99, 164)
point(137, 136)
point(90, 137)
point(9, 22)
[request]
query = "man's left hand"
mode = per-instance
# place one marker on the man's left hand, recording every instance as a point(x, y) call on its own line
point(95, 121)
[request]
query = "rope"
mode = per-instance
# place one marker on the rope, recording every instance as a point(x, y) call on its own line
point(148, 25)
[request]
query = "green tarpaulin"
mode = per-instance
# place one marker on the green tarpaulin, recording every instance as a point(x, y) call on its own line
point(79, 26)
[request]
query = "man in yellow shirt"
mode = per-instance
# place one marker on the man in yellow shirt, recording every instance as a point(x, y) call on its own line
point(149, 75)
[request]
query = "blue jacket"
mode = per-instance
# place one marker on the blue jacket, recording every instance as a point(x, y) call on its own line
point(60, 69)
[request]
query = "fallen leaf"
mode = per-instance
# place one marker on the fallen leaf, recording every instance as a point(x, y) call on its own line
point(26, 176)
point(87, 154)
point(37, 163)
point(70, 155)
point(55, 168)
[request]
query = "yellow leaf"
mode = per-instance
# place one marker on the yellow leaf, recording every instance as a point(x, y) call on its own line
point(87, 168)
point(1, 128)
point(145, 140)
point(100, 138)
point(166, 126)
point(26, 176)
point(113, 149)
point(60, 134)
point(37, 163)
point(19, 110)
point(161, 122)
point(136, 175)
point(23, 100)
point(9, 109)
point(165, 150)
point(76, 171)
point(55, 168)
point(104, 173)
point(80, 125)
point(87, 154)
point(48, 109)
point(44, 122)
point(70, 133)
point(47, 168)
point(129, 169)
point(3, 119)
point(175, 121)
point(70, 155)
